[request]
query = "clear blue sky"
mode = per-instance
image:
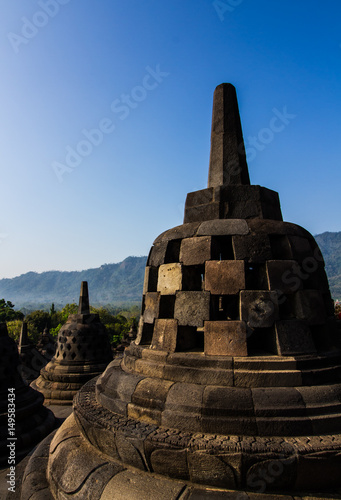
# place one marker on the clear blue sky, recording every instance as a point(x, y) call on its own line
point(145, 72)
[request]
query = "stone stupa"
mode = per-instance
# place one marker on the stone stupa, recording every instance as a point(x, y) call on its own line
point(233, 385)
point(30, 421)
point(83, 351)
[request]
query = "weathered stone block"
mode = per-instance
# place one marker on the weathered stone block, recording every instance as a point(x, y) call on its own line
point(151, 393)
point(195, 250)
point(201, 197)
point(202, 212)
point(259, 309)
point(282, 276)
point(172, 463)
point(293, 337)
point(151, 306)
point(165, 335)
point(157, 254)
point(224, 277)
point(223, 227)
point(208, 469)
point(170, 279)
point(183, 407)
point(192, 308)
point(225, 338)
point(252, 248)
point(300, 247)
point(309, 306)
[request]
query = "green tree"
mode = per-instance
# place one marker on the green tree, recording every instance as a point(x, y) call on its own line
point(7, 312)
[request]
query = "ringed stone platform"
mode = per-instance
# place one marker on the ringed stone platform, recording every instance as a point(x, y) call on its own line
point(232, 388)
point(83, 351)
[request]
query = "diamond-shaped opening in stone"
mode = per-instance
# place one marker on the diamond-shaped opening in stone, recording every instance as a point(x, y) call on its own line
point(190, 338)
point(73, 339)
point(73, 355)
point(323, 337)
point(261, 341)
point(192, 278)
point(173, 251)
point(224, 307)
point(286, 303)
point(68, 347)
point(222, 248)
point(152, 279)
point(166, 309)
point(255, 276)
point(64, 355)
point(147, 334)
point(280, 247)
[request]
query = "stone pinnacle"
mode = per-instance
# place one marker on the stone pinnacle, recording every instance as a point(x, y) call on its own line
point(227, 157)
point(84, 306)
point(23, 341)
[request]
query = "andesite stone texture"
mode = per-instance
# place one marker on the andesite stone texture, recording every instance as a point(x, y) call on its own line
point(30, 421)
point(232, 388)
point(83, 351)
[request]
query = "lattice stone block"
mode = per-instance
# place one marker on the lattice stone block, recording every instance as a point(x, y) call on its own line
point(293, 337)
point(151, 306)
point(225, 338)
point(309, 306)
point(195, 251)
point(252, 248)
point(165, 335)
point(282, 276)
point(224, 277)
point(192, 308)
point(157, 254)
point(258, 308)
point(170, 279)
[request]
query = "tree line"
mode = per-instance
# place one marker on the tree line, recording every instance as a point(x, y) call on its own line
point(117, 321)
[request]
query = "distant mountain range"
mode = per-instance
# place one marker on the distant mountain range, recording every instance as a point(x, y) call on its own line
point(114, 284)
point(330, 245)
point(122, 283)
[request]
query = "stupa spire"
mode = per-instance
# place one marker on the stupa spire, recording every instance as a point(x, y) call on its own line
point(227, 157)
point(84, 306)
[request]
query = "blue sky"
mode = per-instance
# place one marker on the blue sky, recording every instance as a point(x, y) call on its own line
point(143, 73)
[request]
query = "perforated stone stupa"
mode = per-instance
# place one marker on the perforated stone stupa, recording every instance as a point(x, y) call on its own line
point(232, 386)
point(30, 420)
point(83, 351)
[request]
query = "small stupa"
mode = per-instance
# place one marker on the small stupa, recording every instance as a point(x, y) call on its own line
point(83, 351)
point(232, 388)
point(24, 420)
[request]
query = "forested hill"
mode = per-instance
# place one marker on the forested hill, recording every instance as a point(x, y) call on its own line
point(109, 284)
point(122, 283)
point(330, 245)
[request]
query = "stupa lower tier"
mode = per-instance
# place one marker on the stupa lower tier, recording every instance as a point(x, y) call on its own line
point(188, 420)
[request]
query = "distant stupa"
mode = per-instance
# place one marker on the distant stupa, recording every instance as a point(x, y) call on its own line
point(83, 352)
